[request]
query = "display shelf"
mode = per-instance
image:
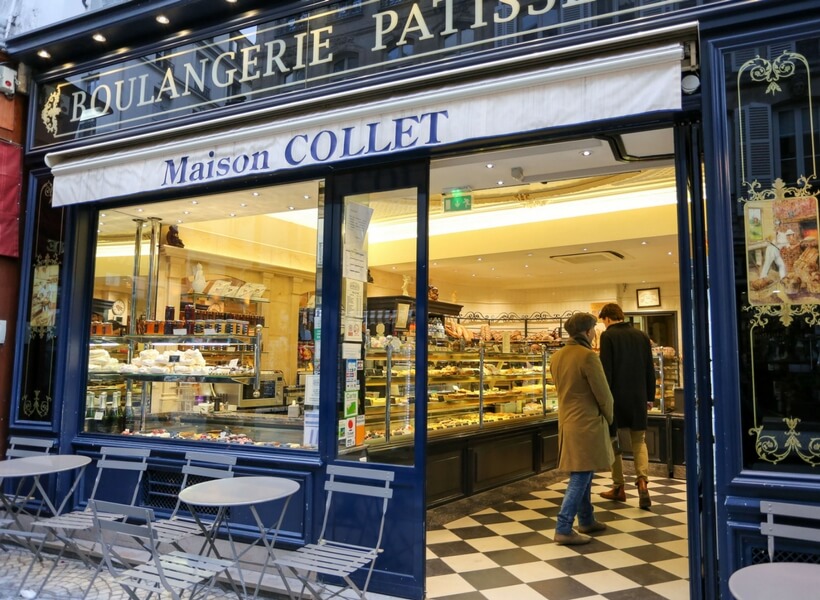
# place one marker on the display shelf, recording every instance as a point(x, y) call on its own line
point(666, 380)
point(466, 390)
point(194, 297)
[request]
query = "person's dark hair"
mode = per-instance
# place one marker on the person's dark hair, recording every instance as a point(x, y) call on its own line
point(580, 322)
point(611, 311)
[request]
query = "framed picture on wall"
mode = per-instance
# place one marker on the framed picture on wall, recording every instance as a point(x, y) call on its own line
point(649, 297)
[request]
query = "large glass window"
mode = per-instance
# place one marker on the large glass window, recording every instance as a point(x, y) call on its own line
point(202, 319)
point(777, 267)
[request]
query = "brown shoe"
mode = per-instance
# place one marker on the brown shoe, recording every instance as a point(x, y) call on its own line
point(643, 495)
point(571, 539)
point(593, 527)
point(616, 493)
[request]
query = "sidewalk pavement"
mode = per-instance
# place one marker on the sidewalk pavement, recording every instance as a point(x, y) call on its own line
point(70, 579)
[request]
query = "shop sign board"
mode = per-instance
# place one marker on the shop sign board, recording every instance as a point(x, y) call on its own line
point(414, 122)
point(324, 48)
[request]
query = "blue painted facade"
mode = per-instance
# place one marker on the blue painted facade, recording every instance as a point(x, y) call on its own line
point(725, 479)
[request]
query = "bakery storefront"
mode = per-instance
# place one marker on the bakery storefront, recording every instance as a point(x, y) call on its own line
point(354, 232)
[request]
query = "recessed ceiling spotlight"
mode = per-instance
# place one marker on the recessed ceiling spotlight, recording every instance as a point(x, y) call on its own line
point(306, 196)
point(291, 208)
point(585, 152)
point(231, 1)
point(480, 259)
point(194, 202)
point(102, 215)
point(585, 249)
point(139, 210)
point(255, 194)
point(163, 19)
point(242, 204)
point(644, 243)
point(669, 253)
point(98, 37)
point(233, 214)
point(179, 221)
point(500, 182)
point(529, 253)
point(43, 53)
point(526, 266)
point(490, 165)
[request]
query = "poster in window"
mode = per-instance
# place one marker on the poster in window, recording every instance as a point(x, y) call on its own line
point(44, 296)
point(782, 262)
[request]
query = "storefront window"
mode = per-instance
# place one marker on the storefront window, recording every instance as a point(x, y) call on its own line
point(39, 344)
point(378, 317)
point(775, 121)
point(202, 319)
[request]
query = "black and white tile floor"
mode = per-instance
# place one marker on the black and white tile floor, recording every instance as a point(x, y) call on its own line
point(506, 552)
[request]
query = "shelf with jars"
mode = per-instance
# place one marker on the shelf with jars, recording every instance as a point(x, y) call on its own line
point(466, 390)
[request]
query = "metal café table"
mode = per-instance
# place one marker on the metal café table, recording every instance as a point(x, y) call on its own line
point(35, 467)
point(775, 580)
point(224, 494)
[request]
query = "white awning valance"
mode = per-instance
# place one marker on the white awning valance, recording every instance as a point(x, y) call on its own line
point(595, 89)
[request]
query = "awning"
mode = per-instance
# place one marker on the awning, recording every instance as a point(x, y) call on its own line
point(594, 89)
point(11, 179)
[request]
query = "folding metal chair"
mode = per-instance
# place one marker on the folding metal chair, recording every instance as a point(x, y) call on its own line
point(333, 555)
point(14, 503)
point(199, 466)
point(174, 573)
point(111, 466)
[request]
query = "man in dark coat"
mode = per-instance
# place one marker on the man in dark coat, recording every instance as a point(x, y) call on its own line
point(626, 355)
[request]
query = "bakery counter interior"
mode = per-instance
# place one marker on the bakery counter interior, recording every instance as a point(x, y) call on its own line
point(465, 391)
point(230, 427)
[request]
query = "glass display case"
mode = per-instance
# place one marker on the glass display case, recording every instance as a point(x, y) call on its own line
point(666, 379)
point(466, 390)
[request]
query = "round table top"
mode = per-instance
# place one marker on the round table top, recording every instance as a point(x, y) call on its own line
point(774, 580)
point(238, 491)
point(31, 466)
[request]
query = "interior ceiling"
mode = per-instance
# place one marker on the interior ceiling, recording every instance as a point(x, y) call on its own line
point(609, 247)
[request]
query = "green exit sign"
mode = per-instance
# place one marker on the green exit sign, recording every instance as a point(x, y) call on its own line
point(455, 201)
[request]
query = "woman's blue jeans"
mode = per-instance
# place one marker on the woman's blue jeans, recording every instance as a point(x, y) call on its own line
point(576, 502)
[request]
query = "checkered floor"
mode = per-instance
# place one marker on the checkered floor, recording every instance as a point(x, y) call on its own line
point(506, 552)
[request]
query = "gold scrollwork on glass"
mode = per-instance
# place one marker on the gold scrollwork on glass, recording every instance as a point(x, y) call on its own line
point(782, 259)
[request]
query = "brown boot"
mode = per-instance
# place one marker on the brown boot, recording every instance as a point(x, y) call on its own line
point(616, 493)
point(643, 494)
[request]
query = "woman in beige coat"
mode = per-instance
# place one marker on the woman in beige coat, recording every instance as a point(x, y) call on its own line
point(584, 413)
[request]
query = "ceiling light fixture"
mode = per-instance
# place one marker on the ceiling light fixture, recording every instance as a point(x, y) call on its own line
point(500, 182)
point(242, 204)
point(98, 37)
point(490, 165)
point(233, 214)
point(291, 208)
point(163, 19)
point(186, 212)
point(256, 193)
point(586, 153)
point(194, 202)
point(43, 53)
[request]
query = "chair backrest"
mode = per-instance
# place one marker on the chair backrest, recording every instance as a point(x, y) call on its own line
point(113, 460)
point(204, 465)
point(21, 446)
point(772, 527)
point(136, 525)
point(362, 482)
